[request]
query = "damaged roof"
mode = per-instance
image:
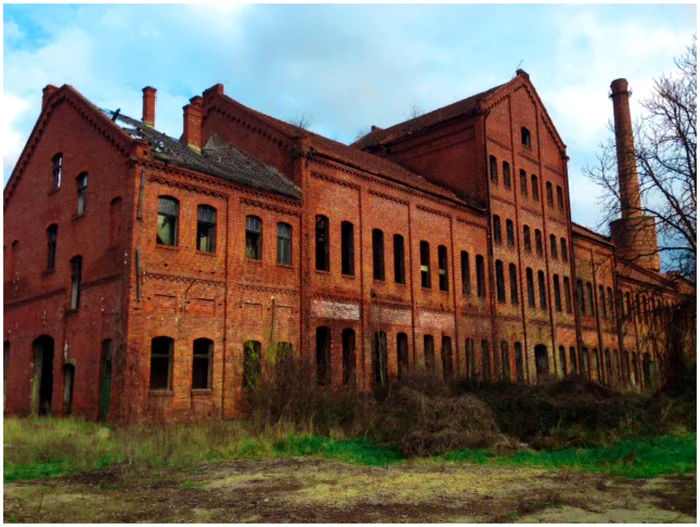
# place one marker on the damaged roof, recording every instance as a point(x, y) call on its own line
point(217, 158)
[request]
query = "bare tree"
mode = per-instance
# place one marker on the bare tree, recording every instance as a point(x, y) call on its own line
point(302, 122)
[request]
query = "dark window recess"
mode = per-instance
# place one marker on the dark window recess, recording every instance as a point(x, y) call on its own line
point(500, 282)
point(323, 356)
point(591, 303)
point(347, 248)
point(378, 254)
point(602, 308)
point(168, 212)
point(57, 172)
point(399, 260)
point(52, 237)
point(82, 192)
point(535, 188)
point(510, 232)
point(493, 169)
point(557, 293)
point(611, 303)
point(485, 361)
point(525, 137)
point(379, 356)
point(424, 264)
point(553, 246)
point(567, 294)
point(161, 363)
point(480, 276)
point(466, 273)
point(543, 290)
point(471, 360)
point(429, 352)
point(402, 354)
point(550, 194)
point(284, 244)
point(573, 362)
point(530, 287)
point(560, 198)
point(580, 300)
point(322, 250)
point(505, 361)
point(206, 228)
point(447, 370)
point(538, 242)
point(506, 174)
point(519, 369)
point(76, 268)
point(442, 268)
point(564, 250)
point(513, 271)
point(562, 361)
point(497, 229)
point(349, 357)
point(253, 238)
point(523, 183)
point(202, 352)
point(527, 239)
point(252, 363)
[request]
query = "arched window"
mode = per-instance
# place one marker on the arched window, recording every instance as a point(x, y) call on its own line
point(562, 361)
point(466, 273)
point(596, 364)
point(402, 353)
point(543, 290)
point(564, 250)
point(347, 248)
point(510, 233)
point(379, 358)
point(349, 356)
point(535, 188)
point(76, 268)
point(560, 198)
point(497, 229)
point(519, 369)
point(206, 228)
point(447, 358)
point(526, 238)
point(530, 287)
point(553, 246)
point(399, 260)
point(57, 171)
point(202, 354)
point(550, 194)
point(506, 174)
point(424, 264)
point(82, 183)
point(500, 282)
point(480, 276)
point(567, 294)
point(284, 244)
point(493, 168)
point(471, 360)
point(378, 254)
point(601, 301)
point(322, 244)
point(591, 303)
point(573, 361)
point(505, 362)
point(52, 237)
point(538, 242)
point(485, 361)
point(557, 293)
point(512, 270)
point(253, 237)
point(168, 212)
point(580, 300)
point(161, 363)
point(608, 367)
point(429, 352)
point(323, 356)
point(525, 137)
point(442, 268)
point(523, 183)
point(252, 363)
point(115, 221)
point(585, 370)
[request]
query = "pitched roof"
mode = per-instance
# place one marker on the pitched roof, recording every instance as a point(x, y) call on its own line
point(353, 156)
point(379, 136)
point(216, 159)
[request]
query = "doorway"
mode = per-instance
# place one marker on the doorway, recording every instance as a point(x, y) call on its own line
point(541, 362)
point(42, 391)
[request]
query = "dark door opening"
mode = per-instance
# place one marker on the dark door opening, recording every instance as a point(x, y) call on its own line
point(541, 361)
point(43, 375)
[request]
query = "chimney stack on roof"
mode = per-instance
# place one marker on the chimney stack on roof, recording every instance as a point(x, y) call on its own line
point(192, 126)
point(49, 90)
point(149, 106)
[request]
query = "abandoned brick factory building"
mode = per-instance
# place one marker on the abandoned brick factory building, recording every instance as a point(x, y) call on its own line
point(145, 275)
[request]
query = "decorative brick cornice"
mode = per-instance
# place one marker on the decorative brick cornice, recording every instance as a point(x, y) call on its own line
point(335, 181)
point(270, 207)
point(388, 197)
point(433, 211)
point(266, 289)
point(472, 223)
point(182, 279)
point(534, 211)
point(256, 129)
point(38, 298)
point(186, 186)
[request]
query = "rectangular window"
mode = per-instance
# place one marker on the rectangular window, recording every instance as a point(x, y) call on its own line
point(493, 169)
point(560, 198)
point(510, 233)
point(168, 211)
point(530, 287)
point(500, 282)
point(284, 244)
point(82, 193)
point(564, 250)
point(527, 240)
point(76, 265)
point(535, 188)
point(601, 301)
point(466, 274)
point(480, 276)
point(513, 284)
point(349, 357)
point(57, 171)
point(591, 303)
point(567, 294)
point(202, 350)
point(523, 183)
point(206, 228)
point(550, 194)
point(52, 235)
point(161, 363)
point(402, 354)
point(424, 264)
point(322, 250)
point(497, 229)
point(553, 246)
point(253, 238)
point(252, 363)
point(543, 290)
point(557, 293)
point(506, 174)
point(538, 242)
point(347, 248)
point(442, 268)
point(579, 298)
point(485, 361)
point(399, 260)
point(611, 303)
point(378, 254)
point(323, 356)
point(381, 368)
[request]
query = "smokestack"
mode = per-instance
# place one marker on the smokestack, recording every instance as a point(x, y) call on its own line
point(630, 203)
point(192, 126)
point(149, 106)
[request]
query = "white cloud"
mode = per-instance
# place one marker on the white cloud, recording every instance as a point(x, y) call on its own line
point(12, 139)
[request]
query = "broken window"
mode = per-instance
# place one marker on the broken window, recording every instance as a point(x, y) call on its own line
point(378, 254)
point(52, 236)
point(510, 233)
point(399, 260)
point(252, 363)
point(471, 360)
point(466, 273)
point(379, 356)
point(349, 357)
point(500, 282)
point(513, 271)
point(493, 168)
point(206, 228)
point(347, 248)
point(446, 358)
point(161, 363)
point(526, 238)
point(82, 192)
point(485, 361)
point(567, 294)
point(506, 174)
point(323, 356)
point(553, 246)
point(523, 183)
point(550, 194)
point(496, 229)
point(543, 291)
point(538, 242)
point(284, 244)
point(115, 218)
point(168, 211)
point(253, 238)
point(564, 250)
point(535, 188)
point(480, 276)
point(424, 264)
point(202, 350)
point(505, 361)
point(429, 352)
point(402, 354)
point(530, 287)
point(442, 268)
point(322, 249)
point(557, 293)
point(560, 198)
point(525, 137)
point(76, 269)
point(57, 172)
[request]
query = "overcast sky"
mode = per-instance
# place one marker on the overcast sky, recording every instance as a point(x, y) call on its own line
point(347, 67)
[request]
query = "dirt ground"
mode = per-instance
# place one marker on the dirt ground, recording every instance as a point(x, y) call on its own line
point(309, 490)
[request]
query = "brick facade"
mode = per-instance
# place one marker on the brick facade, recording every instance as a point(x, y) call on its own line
point(439, 180)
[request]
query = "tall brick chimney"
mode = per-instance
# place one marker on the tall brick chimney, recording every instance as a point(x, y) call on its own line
point(634, 234)
point(149, 106)
point(192, 126)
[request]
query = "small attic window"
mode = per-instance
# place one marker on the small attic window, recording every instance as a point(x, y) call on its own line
point(525, 137)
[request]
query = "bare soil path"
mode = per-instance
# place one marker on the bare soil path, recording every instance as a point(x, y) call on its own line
point(310, 490)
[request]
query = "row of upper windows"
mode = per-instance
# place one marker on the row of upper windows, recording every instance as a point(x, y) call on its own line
point(586, 304)
point(644, 308)
point(527, 240)
point(81, 182)
point(493, 172)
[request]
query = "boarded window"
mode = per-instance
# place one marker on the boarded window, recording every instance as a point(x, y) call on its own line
point(513, 283)
point(485, 361)
point(424, 264)
point(161, 363)
point(535, 188)
point(530, 287)
point(349, 357)
point(379, 358)
point(567, 294)
point(206, 228)
point(347, 248)
point(399, 260)
point(510, 232)
point(253, 237)
point(527, 240)
point(553, 246)
point(505, 362)
point(480, 276)
point(543, 290)
point(378, 254)
point(557, 293)
point(202, 353)
point(323, 356)
point(322, 244)
point(57, 172)
point(466, 273)
point(52, 237)
point(442, 268)
point(284, 244)
point(429, 352)
point(506, 174)
point(402, 353)
point(500, 282)
point(493, 168)
point(168, 212)
point(523, 183)
point(497, 229)
point(538, 242)
point(76, 267)
point(252, 363)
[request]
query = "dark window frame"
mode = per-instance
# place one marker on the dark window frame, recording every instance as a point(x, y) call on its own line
point(168, 212)
point(347, 248)
point(206, 228)
point(284, 243)
point(253, 237)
